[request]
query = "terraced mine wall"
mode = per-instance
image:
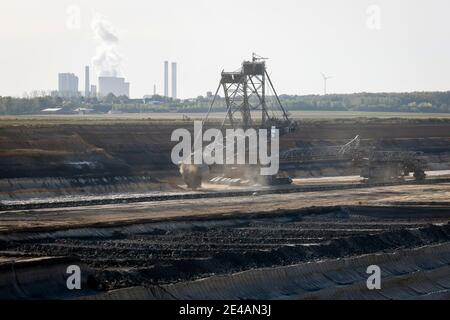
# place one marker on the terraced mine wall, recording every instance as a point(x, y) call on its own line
point(74, 158)
point(312, 253)
point(84, 150)
point(420, 273)
point(40, 278)
point(77, 188)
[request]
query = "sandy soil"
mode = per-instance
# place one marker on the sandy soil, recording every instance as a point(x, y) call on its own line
point(64, 218)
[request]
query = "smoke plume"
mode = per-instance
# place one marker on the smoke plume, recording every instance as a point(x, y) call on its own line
point(107, 59)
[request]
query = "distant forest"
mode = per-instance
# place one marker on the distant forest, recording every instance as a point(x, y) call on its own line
point(425, 102)
point(381, 102)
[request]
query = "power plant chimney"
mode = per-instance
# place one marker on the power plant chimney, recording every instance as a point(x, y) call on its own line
point(93, 91)
point(174, 80)
point(166, 78)
point(87, 85)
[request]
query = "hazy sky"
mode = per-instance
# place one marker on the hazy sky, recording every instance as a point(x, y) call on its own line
point(400, 45)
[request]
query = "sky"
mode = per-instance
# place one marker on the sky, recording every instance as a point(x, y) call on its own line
point(365, 46)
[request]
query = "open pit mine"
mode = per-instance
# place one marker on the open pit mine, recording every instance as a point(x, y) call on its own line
point(102, 199)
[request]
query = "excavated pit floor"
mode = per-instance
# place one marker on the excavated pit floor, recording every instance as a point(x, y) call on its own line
point(173, 252)
point(313, 244)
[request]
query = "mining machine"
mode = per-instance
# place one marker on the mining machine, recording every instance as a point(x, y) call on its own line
point(251, 101)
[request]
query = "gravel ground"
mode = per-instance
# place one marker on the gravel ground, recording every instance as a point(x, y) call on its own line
point(168, 254)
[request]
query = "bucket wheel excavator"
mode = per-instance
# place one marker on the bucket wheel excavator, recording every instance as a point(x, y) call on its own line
point(251, 101)
point(374, 164)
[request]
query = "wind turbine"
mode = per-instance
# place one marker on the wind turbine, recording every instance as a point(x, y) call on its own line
point(325, 78)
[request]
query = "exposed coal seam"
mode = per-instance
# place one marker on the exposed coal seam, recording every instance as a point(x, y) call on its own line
point(222, 263)
point(207, 195)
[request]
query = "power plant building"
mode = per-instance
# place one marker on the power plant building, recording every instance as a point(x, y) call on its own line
point(86, 82)
point(67, 85)
point(174, 80)
point(166, 78)
point(116, 86)
point(93, 93)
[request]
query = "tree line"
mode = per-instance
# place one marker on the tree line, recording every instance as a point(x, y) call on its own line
point(384, 102)
point(425, 102)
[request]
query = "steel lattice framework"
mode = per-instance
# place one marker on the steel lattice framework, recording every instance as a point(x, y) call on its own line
point(245, 91)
